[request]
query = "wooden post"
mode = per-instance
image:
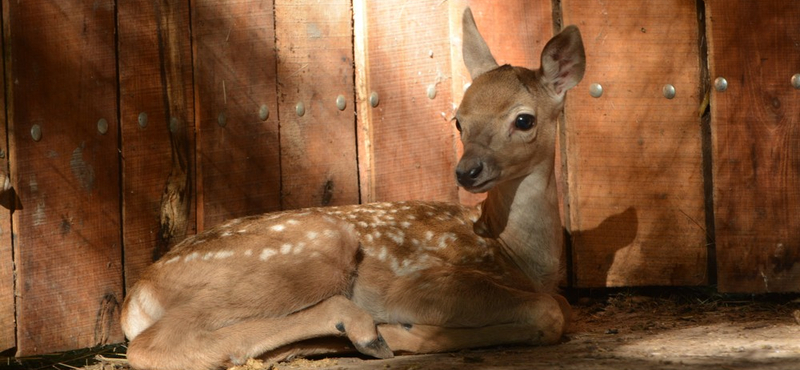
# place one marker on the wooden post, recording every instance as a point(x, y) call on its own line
point(237, 110)
point(9, 202)
point(406, 141)
point(636, 201)
point(62, 111)
point(315, 69)
point(155, 92)
point(755, 126)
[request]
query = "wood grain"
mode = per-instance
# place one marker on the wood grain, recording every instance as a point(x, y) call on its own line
point(155, 82)
point(238, 161)
point(315, 66)
point(755, 127)
point(634, 157)
point(61, 59)
point(407, 142)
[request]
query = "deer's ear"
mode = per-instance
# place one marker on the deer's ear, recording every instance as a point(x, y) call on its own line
point(476, 53)
point(563, 61)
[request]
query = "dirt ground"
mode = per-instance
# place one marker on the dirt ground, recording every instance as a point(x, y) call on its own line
point(615, 331)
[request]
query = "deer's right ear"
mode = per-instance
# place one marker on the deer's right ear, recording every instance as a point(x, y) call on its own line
point(563, 61)
point(476, 53)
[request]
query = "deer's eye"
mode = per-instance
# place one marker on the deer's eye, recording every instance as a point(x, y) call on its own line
point(458, 126)
point(525, 122)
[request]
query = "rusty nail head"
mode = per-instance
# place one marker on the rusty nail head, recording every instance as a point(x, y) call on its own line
point(796, 81)
point(721, 84)
point(263, 112)
point(143, 120)
point(36, 132)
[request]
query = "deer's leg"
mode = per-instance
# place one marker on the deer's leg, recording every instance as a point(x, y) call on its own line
point(170, 344)
point(541, 321)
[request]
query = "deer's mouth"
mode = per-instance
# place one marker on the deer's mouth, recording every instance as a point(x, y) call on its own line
point(482, 186)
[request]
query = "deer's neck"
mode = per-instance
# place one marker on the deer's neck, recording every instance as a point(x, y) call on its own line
point(523, 215)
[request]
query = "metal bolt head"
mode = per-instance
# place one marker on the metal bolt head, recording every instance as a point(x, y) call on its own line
point(36, 132)
point(796, 81)
point(374, 99)
point(720, 84)
point(143, 120)
point(222, 119)
point(669, 91)
point(300, 109)
point(102, 126)
point(341, 103)
point(431, 91)
point(596, 90)
point(173, 124)
point(263, 112)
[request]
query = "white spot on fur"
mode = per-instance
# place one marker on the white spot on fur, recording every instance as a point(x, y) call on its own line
point(278, 227)
point(446, 239)
point(368, 238)
point(286, 248)
point(362, 224)
point(329, 233)
point(172, 260)
point(405, 224)
point(312, 235)
point(412, 217)
point(397, 237)
point(382, 254)
point(191, 257)
point(429, 235)
point(208, 256)
point(241, 231)
point(266, 254)
point(248, 252)
point(223, 255)
point(292, 222)
point(298, 248)
point(226, 234)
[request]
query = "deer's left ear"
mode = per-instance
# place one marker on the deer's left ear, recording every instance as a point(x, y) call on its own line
point(563, 62)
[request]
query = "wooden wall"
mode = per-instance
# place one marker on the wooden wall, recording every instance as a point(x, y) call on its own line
point(129, 125)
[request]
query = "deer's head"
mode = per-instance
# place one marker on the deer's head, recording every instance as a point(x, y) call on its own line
point(508, 116)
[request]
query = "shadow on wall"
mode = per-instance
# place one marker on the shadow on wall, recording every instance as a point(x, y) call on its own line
point(594, 250)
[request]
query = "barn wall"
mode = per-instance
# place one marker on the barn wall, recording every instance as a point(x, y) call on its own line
point(129, 125)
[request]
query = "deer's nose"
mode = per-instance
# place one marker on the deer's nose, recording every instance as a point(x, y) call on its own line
point(467, 176)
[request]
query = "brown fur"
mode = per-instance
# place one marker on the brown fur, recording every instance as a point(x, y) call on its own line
point(390, 277)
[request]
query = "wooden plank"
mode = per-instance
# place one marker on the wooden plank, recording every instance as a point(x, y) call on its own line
point(407, 142)
point(634, 157)
point(155, 77)
point(8, 201)
point(61, 59)
point(238, 151)
point(516, 34)
point(315, 67)
point(755, 127)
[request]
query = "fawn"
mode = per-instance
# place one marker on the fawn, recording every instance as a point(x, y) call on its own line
point(403, 277)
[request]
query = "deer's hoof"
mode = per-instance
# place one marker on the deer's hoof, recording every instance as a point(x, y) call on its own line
point(375, 348)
